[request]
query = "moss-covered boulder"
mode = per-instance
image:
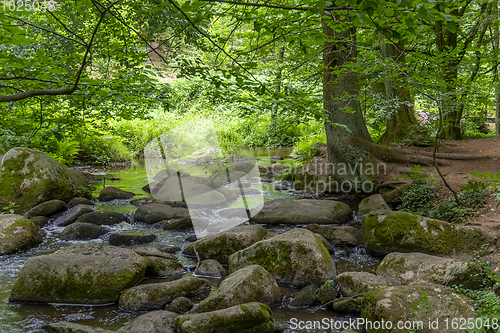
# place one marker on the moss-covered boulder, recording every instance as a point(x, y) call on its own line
point(155, 296)
point(164, 268)
point(17, 234)
point(82, 231)
point(72, 214)
point(156, 212)
point(180, 305)
point(111, 193)
point(306, 297)
point(46, 208)
point(79, 201)
point(354, 283)
point(221, 245)
point(385, 232)
point(342, 235)
point(79, 274)
point(130, 240)
point(305, 211)
point(414, 303)
point(210, 268)
point(373, 202)
point(65, 327)
point(296, 257)
point(152, 322)
point(29, 177)
point(407, 268)
point(249, 284)
point(246, 318)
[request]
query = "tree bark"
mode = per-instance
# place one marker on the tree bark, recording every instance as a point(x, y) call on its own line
point(402, 114)
point(340, 94)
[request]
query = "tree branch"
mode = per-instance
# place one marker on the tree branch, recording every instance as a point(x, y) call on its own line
point(62, 91)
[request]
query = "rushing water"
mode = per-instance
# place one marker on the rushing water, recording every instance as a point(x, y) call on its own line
point(28, 318)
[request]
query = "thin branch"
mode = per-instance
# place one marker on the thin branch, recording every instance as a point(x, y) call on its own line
point(62, 91)
point(215, 44)
point(258, 5)
point(64, 26)
point(47, 30)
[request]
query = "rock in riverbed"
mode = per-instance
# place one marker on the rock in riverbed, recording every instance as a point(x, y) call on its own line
point(17, 234)
point(79, 274)
point(296, 257)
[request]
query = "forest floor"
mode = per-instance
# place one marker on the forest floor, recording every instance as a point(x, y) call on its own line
point(459, 172)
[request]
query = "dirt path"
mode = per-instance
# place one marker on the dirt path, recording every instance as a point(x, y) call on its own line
point(459, 172)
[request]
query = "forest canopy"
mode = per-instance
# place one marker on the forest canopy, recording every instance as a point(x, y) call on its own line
point(94, 81)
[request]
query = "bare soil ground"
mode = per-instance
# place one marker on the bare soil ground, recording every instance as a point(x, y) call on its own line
point(459, 172)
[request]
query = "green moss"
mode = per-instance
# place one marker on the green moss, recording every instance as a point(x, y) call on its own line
point(400, 230)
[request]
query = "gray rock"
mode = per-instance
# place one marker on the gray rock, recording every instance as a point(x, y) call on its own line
point(296, 257)
point(152, 322)
point(221, 245)
point(180, 305)
point(306, 297)
point(348, 304)
point(411, 268)
point(82, 231)
point(17, 234)
point(156, 250)
point(374, 202)
point(354, 283)
point(130, 240)
point(71, 215)
point(40, 221)
point(326, 243)
point(111, 193)
point(106, 218)
point(196, 194)
point(65, 327)
point(393, 304)
point(246, 318)
point(163, 268)
point(79, 201)
point(250, 284)
point(344, 235)
point(46, 208)
point(304, 211)
point(183, 223)
point(30, 177)
point(210, 268)
point(155, 296)
point(156, 212)
point(79, 274)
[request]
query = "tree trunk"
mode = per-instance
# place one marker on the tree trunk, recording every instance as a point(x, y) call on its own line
point(402, 114)
point(340, 94)
point(496, 44)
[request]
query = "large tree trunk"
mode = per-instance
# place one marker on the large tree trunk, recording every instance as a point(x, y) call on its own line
point(402, 113)
point(340, 94)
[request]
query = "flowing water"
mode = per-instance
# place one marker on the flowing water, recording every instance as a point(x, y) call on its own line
point(28, 318)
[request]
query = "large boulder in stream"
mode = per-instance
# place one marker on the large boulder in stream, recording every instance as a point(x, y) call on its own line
point(155, 296)
point(245, 318)
point(82, 231)
point(46, 208)
point(221, 245)
point(65, 327)
point(249, 284)
point(195, 193)
point(29, 177)
point(79, 274)
point(152, 322)
point(17, 234)
point(305, 211)
point(296, 257)
point(411, 268)
point(100, 218)
point(373, 202)
point(156, 212)
point(386, 231)
point(426, 303)
point(355, 283)
point(111, 193)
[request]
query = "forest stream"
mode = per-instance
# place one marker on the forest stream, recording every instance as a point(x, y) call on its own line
point(28, 318)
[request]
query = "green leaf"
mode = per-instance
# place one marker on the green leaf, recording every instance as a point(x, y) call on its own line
point(389, 11)
point(451, 26)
